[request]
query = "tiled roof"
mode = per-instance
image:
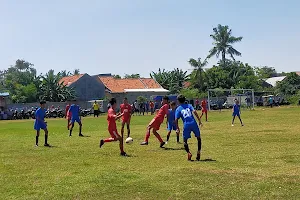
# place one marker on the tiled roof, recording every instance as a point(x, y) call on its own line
point(119, 85)
point(68, 80)
point(298, 73)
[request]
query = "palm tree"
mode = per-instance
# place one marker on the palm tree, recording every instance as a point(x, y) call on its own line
point(198, 66)
point(223, 41)
point(76, 72)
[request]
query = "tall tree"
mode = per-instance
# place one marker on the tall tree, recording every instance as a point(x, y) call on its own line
point(65, 73)
point(132, 76)
point(265, 72)
point(223, 41)
point(198, 70)
point(76, 72)
point(117, 76)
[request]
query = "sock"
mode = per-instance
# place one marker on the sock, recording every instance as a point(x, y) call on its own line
point(147, 136)
point(71, 131)
point(168, 137)
point(159, 138)
point(46, 139)
point(177, 138)
point(109, 140)
point(199, 144)
point(36, 140)
point(186, 147)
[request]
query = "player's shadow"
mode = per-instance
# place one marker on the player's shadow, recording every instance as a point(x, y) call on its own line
point(173, 149)
point(208, 160)
point(85, 136)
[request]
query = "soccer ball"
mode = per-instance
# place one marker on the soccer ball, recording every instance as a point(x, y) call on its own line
point(129, 140)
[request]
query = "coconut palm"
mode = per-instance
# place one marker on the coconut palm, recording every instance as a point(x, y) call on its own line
point(198, 70)
point(223, 41)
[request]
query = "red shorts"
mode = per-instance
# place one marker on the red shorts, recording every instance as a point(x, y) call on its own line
point(126, 120)
point(204, 111)
point(114, 133)
point(155, 124)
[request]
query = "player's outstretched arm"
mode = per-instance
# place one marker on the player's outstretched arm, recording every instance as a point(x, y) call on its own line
point(198, 117)
point(118, 116)
point(177, 127)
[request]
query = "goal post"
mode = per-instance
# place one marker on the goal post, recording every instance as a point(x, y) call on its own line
point(226, 97)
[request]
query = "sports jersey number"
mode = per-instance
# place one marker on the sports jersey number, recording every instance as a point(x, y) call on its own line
point(186, 113)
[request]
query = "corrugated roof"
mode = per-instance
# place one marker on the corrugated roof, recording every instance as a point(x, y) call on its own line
point(273, 81)
point(4, 94)
point(119, 85)
point(69, 80)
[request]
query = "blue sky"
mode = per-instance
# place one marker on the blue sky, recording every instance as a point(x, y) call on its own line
point(139, 36)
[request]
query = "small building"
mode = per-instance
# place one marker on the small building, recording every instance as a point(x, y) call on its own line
point(86, 87)
point(131, 88)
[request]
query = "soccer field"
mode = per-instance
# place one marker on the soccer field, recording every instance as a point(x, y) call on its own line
point(258, 161)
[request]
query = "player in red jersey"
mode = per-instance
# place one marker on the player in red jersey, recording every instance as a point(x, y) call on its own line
point(126, 109)
point(68, 115)
point(204, 108)
point(157, 121)
point(112, 126)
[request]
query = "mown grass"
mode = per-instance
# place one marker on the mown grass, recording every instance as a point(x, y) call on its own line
point(258, 161)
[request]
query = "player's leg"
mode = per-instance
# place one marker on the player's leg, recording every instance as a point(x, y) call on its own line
point(168, 135)
point(147, 135)
point(123, 153)
point(128, 129)
point(113, 137)
point(240, 120)
point(162, 143)
point(122, 128)
point(177, 133)
point(196, 132)
point(186, 136)
point(68, 125)
point(233, 118)
point(46, 138)
point(206, 115)
point(37, 137)
point(72, 126)
point(80, 128)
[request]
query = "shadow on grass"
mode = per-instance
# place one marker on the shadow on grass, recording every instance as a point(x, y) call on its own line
point(172, 149)
point(205, 160)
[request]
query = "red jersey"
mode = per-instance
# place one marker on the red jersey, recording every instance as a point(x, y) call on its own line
point(203, 104)
point(151, 105)
point(126, 109)
point(67, 109)
point(111, 119)
point(164, 110)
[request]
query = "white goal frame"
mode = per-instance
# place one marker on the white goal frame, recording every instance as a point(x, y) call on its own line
point(231, 91)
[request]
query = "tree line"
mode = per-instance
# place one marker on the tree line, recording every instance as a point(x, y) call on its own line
point(24, 85)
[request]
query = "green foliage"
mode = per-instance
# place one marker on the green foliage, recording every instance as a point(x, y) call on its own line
point(117, 76)
point(265, 72)
point(171, 80)
point(76, 72)
point(198, 73)
point(132, 76)
point(290, 85)
point(141, 99)
point(193, 93)
point(223, 41)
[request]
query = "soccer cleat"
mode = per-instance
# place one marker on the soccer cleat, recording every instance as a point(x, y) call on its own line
point(80, 135)
point(123, 154)
point(198, 157)
point(144, 143)
point(162, 144)
point(232, 124)
point(189, 156)
point(36, 145)
point(101, 143)
point(47, 145)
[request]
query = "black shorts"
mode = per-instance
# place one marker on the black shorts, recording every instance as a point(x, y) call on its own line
point(96, 112)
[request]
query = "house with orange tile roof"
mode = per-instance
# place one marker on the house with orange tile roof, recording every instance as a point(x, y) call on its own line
point(131, 88)
point(86, 87)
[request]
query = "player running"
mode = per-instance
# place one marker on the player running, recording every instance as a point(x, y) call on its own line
point(41, 124)
point(171, 121)
point(74, 112)
point(236, 112)
point(156, 122)
point(126, 109)
point(112, 127)
point(204, 108)
point(185, 112)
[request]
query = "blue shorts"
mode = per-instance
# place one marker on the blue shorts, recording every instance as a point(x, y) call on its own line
point(189, 128)
point(236, 114)
point(75, 119)
point(171, 127)
point(39, 126)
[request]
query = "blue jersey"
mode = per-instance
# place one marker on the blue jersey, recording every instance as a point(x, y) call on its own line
point(40, 115)
point(171, 118)
point(75, 110)
point(185, 112)
point(236, 108)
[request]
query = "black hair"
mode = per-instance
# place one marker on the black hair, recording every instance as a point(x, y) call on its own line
point(42, 102)
point(125, 98)
point(166, 98)
point(173, 103)
point(181, 98)
point(112, 101)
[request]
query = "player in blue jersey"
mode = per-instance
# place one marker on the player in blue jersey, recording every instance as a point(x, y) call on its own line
point(40, 123)
point(171, 121)
point(236, 112)
point(186, 112)
point(75, 117)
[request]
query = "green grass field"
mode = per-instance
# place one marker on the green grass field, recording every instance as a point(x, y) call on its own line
point(258, 161)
